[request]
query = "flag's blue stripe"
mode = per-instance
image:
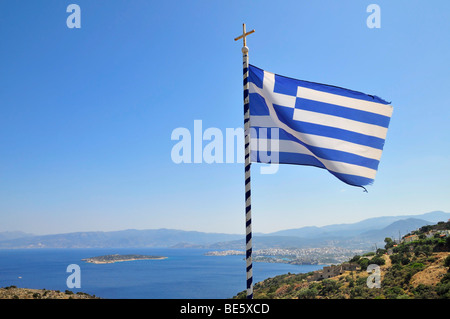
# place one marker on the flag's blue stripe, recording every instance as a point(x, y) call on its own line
point(286, 85)
point(354, 180)
point(285, 114)
point(256, 76)
point(341, 111)
point(303, 159)
point(258, 105)
point(324, 153)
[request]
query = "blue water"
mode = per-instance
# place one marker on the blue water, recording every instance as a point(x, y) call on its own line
point(185, 274)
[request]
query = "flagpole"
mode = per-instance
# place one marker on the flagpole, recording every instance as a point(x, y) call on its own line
point(248, 206)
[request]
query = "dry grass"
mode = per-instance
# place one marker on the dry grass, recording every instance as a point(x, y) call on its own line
point(433, 273)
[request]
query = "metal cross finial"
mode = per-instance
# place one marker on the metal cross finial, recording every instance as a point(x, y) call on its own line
point(244, 34)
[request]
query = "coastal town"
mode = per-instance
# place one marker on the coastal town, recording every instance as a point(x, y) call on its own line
point(298, 256)
point(432, 233)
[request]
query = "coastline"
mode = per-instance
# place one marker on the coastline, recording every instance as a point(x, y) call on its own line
point(178, 274)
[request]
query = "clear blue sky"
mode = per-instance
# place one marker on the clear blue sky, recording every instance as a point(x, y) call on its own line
point(86, 115)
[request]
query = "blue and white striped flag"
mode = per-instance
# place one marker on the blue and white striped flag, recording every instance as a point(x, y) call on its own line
point(315, 124)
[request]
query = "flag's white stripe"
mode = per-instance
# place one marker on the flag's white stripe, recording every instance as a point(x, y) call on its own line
point(258, 144)
point(321, 141)
point(363, 105)
point(340, 122)
point(310, 94)
point(262, 121)
point(273, 97)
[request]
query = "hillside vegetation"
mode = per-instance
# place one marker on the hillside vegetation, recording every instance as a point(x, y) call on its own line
point(12, 292)
point(417, 267)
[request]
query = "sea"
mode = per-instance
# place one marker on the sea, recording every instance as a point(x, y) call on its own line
point(184, 274)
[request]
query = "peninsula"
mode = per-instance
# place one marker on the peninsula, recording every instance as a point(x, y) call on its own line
point(109, 259)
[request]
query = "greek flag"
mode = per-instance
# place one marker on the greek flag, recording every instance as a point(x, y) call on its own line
point(306, 123)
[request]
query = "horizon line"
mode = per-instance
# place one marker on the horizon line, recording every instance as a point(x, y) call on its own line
point(215, 232)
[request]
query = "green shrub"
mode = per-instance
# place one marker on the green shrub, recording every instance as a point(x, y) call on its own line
point(417, 266)
point(399, 258)
point(393, 292)
point(329, 286)
point(443, 290)
point(389, 243)
point(377, 260)
point(369, 254)
point(447, 261)
point(424, 292)
point(446, 278)
point(363, 263)
point(361, 281)
point(307, 293)
point(426, 250)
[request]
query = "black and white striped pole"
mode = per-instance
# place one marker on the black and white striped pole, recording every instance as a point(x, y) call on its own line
point(248, 204)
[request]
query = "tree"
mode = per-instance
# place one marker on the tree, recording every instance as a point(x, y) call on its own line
point(401, 259)
point(426, 250)
point(389, 243)
point(377, 260)
point(426, 228)
point(363, 263)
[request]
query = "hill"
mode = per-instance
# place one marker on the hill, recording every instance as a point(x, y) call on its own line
point(8, 235)
point(394, 230)
point(119, 239)
point(361, 235)
point(12, 292)
point(418, 267)
point(358, 228)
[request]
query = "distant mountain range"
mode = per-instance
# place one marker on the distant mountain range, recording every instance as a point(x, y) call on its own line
point(366, 225)
point(362, 235)
point(117, 239)
point(7, 235)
